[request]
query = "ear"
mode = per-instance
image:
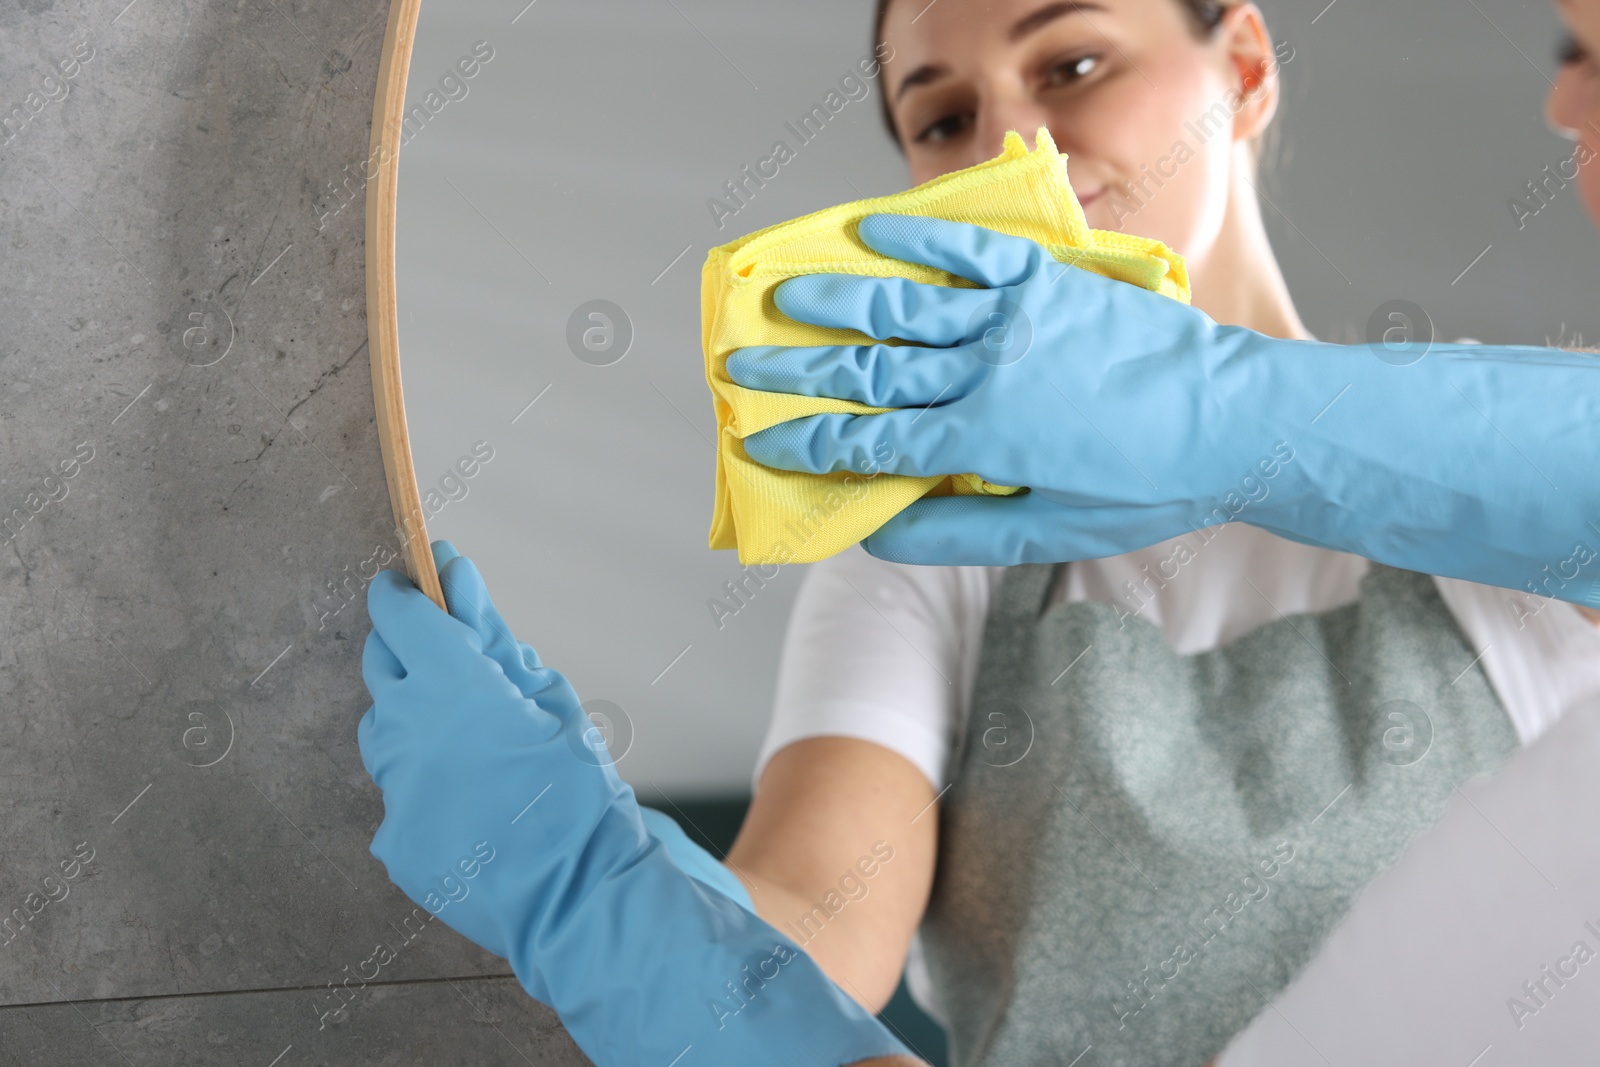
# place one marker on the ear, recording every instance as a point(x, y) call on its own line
point(1254, 66)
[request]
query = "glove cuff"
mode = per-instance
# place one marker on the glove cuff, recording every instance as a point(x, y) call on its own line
point(645, 966)
point(692, 859)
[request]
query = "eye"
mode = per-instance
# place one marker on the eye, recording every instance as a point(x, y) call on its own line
point(1569, 51)
point(1074, 69)
point(944, 126)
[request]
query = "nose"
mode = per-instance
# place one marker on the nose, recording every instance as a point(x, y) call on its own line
point(1009, 110)
point(1573, 93)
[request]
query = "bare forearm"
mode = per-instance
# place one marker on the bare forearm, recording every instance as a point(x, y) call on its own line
point(834, 854)
point(847, 948)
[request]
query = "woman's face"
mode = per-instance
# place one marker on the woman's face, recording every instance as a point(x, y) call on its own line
point(1574, 103)
point(1129, 92)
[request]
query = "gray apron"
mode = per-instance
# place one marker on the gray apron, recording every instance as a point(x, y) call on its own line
point(1140, 848)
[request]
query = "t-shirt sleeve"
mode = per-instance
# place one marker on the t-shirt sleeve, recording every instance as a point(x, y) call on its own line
point(878, 651)
point(1542, 655)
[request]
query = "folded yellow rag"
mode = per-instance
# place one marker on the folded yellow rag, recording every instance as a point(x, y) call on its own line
point(776, 516)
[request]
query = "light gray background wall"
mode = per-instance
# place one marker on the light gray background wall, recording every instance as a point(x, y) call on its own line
point(578, 165)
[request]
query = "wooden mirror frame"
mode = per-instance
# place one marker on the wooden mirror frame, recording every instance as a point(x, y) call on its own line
point(383, 320)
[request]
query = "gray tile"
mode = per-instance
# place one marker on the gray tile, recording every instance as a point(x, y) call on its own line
point(484, 1022)
point(180, 683)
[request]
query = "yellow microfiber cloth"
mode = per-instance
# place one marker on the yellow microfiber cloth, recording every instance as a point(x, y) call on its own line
point(776, 516)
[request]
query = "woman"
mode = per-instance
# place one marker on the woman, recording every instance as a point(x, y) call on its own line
point(1138, 420)
point(475, 743)
point(874, 688)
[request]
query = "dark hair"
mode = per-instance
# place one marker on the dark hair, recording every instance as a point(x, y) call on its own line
point(1205, 15)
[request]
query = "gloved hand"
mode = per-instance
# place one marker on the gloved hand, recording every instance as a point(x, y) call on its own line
point(501, 820)
point(1133, 418)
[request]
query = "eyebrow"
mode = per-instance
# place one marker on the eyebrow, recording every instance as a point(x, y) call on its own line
point(1028, 24)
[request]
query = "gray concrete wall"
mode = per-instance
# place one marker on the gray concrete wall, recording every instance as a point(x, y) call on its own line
point(186, 425)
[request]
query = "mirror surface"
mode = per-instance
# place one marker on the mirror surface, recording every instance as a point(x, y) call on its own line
point(570, 174)
point(575, 167)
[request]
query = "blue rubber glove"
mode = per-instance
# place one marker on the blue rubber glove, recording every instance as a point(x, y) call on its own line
point(500, 819)
point(1133, 418)
point(692, 858)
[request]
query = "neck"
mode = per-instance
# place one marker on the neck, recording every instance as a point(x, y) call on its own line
point(1238, 282)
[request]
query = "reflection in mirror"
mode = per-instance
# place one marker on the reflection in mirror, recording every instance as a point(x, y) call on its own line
point(566, 168)
point(555, 214)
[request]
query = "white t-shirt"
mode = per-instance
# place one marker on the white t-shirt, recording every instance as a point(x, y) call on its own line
point(888, 652)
